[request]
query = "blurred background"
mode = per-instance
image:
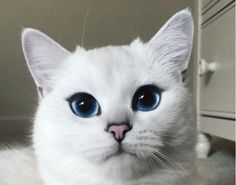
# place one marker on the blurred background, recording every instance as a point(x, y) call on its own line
point(210, 76)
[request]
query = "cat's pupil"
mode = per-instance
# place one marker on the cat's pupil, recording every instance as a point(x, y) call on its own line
point(85, 105)
point(147, 98)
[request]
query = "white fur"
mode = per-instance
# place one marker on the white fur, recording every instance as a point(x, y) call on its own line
point(71, 150)
point(17, 167)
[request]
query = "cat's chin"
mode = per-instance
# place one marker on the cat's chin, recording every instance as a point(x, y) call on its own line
point(124, 160)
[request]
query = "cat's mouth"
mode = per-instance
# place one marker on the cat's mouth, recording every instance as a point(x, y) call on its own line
point(119, 152)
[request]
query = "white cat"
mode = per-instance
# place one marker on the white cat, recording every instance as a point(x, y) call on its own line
point(117, 115)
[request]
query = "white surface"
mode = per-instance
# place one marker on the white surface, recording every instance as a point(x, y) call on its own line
point(203, 146)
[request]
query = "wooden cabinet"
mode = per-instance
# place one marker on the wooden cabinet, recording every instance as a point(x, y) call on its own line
point(216, 80)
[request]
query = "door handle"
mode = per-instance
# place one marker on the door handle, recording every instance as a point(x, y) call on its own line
point(205, 67)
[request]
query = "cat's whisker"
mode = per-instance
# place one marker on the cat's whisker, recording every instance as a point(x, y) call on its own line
point(169, 169)
point(146, 138)
point(163, 164)
point(84, 26)
point(174, 145)
point(169, 160)
point(146, 160)
point(149, 152)
point(173, 148)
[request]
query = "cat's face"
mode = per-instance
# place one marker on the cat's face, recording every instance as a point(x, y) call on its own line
point(117, 106)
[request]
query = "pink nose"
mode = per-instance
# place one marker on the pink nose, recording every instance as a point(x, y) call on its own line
point(118, 131)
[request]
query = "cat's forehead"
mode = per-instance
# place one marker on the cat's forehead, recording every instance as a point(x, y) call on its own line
point(111, 68)
point(110, 60)
point(112, 57)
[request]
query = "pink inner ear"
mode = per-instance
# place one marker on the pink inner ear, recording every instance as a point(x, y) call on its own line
point(173, 42)
point(43, 55)
point(45, 77)
point(41, 78)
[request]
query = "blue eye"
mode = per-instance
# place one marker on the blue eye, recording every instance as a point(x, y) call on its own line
point(146, 98)
point(84, 105)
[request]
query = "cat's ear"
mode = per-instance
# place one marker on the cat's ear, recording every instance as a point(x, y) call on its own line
point(43, 56)
point(173, 42)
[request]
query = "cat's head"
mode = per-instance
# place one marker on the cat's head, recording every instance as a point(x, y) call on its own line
point(116, 106)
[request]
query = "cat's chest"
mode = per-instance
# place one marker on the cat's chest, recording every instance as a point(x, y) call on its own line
point(155, 179)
